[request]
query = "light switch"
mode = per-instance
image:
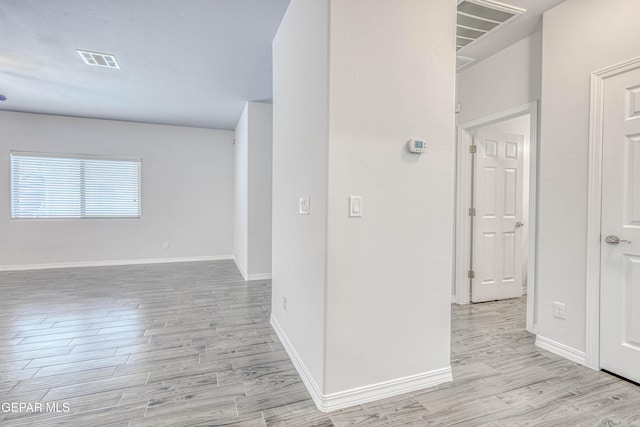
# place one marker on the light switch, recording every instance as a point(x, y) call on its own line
point(355, 206)
point(305, 206)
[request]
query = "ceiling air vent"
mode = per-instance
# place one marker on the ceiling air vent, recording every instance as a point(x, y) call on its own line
point(477, 18)
point(98, 59)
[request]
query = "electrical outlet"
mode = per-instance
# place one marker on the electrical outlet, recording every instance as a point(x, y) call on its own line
point(284, 303)
point(165, 245)
point(559, 310)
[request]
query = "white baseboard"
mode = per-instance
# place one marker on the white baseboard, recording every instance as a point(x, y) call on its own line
point(250, 277)
point(385, 389)
point(110, 263)
point(357, 396)
point(304, 373)
point(264, 276)
point(240, 268)
point(561, 350)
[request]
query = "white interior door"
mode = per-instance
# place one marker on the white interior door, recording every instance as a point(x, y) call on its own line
point(620, 237)
point(497, 233)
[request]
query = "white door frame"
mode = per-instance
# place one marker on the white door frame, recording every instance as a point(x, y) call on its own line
point(463, 191)
point(594, 212)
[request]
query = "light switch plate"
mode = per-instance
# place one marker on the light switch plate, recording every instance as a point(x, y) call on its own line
point(305, 206)
point(355, 206)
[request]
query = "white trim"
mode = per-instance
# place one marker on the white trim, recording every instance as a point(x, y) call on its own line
point(561, 350)
point(383, 390)
point(467, 61)
point(110, 263)
point(463, 230)
point(595, 205)
point(300, 366)
point(463, 180)
point(261, 276)
point(250, 277)
point(360, 395)
point(240, 268)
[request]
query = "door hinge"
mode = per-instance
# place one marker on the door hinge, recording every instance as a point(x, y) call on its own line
point(472, 211)
point(472, 274)
point(473, 149)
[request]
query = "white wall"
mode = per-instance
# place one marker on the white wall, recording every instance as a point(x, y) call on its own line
point(187, 192)
point(389, 272)
point(241, 193)
point(368, 298)
point(505, 80)
point(252, 191)
point(300, 137)
point(570, 55)
point(260, 171)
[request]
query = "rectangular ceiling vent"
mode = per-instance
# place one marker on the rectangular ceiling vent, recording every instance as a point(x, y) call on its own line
point(477, 18)
point(98, 59)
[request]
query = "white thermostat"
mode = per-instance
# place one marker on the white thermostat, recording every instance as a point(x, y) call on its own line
point(417, 145)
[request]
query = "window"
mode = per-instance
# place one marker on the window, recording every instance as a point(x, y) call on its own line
point(65, 186)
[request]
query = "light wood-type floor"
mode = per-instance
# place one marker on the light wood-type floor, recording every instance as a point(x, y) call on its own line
point(190, 344)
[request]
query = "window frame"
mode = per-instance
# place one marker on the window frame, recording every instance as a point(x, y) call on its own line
point(81, 183)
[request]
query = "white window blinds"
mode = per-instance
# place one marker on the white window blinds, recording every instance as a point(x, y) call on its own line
point(63, 186)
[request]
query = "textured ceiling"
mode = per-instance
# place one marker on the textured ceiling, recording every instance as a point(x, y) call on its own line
point(189, 63)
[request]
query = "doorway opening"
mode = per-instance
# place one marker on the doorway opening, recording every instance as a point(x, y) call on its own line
point(497, 134)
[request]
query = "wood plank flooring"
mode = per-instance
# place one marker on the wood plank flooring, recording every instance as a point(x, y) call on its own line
point(190, 344)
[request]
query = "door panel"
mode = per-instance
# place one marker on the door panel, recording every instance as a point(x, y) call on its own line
point(489, 193)
point(631, 294)
point(497, 241)
point(509, 259)
point(488, 272)
point(620, 263)
point(510, 192)
point(632, 183)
